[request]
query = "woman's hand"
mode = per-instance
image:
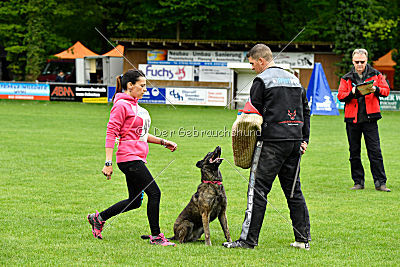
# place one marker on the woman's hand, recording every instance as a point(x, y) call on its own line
point(107, 171)
point(170, 145)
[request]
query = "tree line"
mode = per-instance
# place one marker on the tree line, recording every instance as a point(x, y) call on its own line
point(33, 30)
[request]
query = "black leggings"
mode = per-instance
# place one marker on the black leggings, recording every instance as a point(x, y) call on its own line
point(138, 179)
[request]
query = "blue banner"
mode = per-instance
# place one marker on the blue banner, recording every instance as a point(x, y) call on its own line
point(24, 90)
point(110, 93)
point(319, 93)
point(154, 96)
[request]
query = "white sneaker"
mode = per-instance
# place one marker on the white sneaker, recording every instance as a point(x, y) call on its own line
point(301, 245)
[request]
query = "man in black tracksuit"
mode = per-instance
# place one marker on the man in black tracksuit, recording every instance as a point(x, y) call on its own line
point(280, 98)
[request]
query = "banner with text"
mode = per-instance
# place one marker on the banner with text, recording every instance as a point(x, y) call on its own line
point(194, 96)
point(167, 72)
point(205, 56)
point(295, 60)
point(154, 95)
point(214, 74)
point(391, 102)
point(24, 91)
point(78, 92)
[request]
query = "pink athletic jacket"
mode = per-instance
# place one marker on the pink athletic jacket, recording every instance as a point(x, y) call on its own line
point(133, 145)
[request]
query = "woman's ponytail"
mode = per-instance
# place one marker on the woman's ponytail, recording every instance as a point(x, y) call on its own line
point(118, 87)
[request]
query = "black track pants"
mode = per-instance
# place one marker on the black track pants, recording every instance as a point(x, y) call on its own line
point(372, 143)
point(138, 178)
point(277, 158)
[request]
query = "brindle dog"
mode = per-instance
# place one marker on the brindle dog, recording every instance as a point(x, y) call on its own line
point(205, 205)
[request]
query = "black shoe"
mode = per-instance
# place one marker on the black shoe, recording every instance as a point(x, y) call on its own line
point(237, 244)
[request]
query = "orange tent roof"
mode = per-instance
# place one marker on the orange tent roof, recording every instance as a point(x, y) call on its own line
point(114, 52)
point(78, 50)
point(385, 61)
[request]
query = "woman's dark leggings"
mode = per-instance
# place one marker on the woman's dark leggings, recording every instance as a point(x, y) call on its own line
point(138, 179)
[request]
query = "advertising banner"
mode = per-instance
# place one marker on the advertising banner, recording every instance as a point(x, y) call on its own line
point(167, 72)
point(187, 63)
point(194, 96)
point(339, 105)
point(295, 60)
point(24, 91)
point(214, 74)
point(205, 56)
point(110, 93)
point(154, 96)
point(156, 55)
point(78, 92)
point(391, 102)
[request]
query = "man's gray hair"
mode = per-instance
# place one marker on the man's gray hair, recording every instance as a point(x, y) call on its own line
point(260, 50)
point(361, 51)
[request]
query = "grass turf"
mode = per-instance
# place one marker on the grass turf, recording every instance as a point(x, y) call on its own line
point(51, 158)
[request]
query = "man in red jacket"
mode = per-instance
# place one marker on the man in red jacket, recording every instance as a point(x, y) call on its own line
point(361, 113)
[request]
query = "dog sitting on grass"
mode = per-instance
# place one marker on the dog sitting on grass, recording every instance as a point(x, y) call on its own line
point(208, 203)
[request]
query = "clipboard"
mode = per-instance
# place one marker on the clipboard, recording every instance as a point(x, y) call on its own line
point(365, 88)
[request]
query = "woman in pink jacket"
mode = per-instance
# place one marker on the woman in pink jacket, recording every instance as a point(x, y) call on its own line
point(131, 123)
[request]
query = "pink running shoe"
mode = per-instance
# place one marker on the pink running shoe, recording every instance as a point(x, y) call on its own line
point(161, 240)
point(97, 225)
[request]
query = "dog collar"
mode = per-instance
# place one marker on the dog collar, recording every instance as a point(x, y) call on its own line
point(212, 182)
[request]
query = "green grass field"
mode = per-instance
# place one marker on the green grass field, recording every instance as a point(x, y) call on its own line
point(51, 158)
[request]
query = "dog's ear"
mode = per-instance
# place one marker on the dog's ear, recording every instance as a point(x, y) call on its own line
point(199, 164)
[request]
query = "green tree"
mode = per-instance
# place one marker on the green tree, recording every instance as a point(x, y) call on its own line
point(321, 21)
point(353, 17)
point(12, 32)
point(28, 34)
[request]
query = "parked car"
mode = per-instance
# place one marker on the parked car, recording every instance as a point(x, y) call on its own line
point(54, 66)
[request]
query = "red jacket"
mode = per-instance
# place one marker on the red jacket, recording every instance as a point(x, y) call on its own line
point(372, 105)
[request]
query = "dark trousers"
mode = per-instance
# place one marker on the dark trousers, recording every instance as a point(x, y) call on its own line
point(372, 143)
point(277, 158)
point(138, 178)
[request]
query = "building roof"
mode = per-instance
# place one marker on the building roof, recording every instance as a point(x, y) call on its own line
point(118, 51)
point(385, 60)
point(78, 50)
point(233, 45)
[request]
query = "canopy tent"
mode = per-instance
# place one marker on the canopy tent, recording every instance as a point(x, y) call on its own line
point(385, 65)
point(78, 50)
point(114, 52)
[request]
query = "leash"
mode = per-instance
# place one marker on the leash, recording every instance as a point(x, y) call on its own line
point(267, 65)
point(114, 217)
point(105, 38)
point(297, 173)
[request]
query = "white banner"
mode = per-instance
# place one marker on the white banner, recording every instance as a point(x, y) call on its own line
point(194, 96)
point(214, 74)
point(167, 72)
point(295, 60)
point(205, 56)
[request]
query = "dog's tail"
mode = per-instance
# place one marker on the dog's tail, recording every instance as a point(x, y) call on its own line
point(148, 237)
